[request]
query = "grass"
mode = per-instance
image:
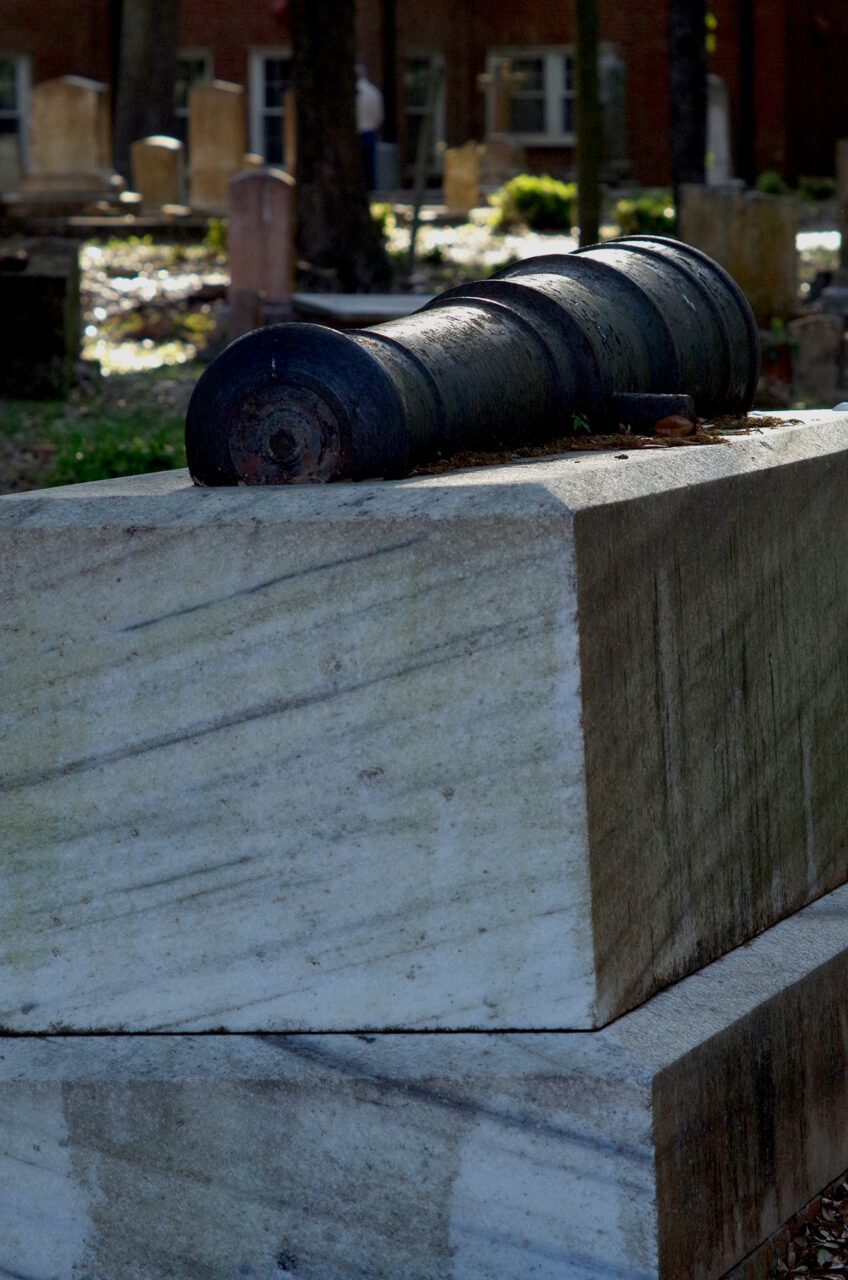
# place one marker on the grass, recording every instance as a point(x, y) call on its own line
point(122, 425)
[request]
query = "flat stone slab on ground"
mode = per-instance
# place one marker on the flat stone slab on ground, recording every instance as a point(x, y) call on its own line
point(353, 310)
point(506, 748)
point(664, 1147)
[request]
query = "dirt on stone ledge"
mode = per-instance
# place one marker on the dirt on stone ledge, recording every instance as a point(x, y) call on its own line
point(717, 431)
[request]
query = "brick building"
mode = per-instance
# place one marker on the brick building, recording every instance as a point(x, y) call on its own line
point(781, 63)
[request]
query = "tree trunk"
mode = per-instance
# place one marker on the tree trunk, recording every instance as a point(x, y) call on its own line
point(590, 140)
point(336, 232)
point(147, 68)
point(688, 62)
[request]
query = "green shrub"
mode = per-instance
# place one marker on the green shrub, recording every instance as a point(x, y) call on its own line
point(112, 451)
point(215, 239)
point(384, 215)
point(813, 188)
point(646, 215)
point(770, 183)
point(541, 203)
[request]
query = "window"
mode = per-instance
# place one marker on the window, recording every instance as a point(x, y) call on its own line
point(534, 90)
point(270, 77)
point(192, 67)
point(417, 77)
point(14, 95)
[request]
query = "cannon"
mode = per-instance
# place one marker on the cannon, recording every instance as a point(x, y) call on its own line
point(621, 332)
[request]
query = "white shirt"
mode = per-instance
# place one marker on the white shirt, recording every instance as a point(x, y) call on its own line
point(369, 106)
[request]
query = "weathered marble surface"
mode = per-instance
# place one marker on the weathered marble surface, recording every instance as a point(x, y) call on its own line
point(506, 748)
point(663, 1147)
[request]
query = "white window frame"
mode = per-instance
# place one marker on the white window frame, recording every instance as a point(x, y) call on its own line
point(554, 90)
point(257, 111)
point(23, 84)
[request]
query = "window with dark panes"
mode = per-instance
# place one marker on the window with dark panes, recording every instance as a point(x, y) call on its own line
point(539, 84)
point(417, 75)
point(10, 95)
point(270, 77)
point(192, 68)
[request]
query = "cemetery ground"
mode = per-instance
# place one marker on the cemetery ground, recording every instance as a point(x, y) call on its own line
point(149, 317)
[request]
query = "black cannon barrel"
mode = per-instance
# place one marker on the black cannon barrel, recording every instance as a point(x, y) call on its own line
point(492, 364)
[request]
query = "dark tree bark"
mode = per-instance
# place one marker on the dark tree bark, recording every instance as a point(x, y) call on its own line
point(336, 232)
point(147, 67)
point(590, 134)
point(688, 82)
point(390, 131)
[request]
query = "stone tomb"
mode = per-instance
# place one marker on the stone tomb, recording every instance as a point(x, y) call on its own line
point(666, 1146)
point(70, 140)
point(158, 170)
point(503, 751)
point(594, 749)
point(217, 142)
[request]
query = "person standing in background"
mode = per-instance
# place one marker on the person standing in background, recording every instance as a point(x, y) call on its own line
point(369, 117)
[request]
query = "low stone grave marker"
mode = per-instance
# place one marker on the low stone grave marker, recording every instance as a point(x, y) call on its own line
point(217, 142)
point(261, 249)
point(158, 170)
point(462, 178)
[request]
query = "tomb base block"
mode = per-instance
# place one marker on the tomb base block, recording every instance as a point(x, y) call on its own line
point(666, 1146)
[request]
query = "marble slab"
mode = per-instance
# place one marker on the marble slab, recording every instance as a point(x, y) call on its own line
point(506, 748)
point(663, 1147)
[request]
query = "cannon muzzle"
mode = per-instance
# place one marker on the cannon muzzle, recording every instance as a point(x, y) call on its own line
point(606, 333)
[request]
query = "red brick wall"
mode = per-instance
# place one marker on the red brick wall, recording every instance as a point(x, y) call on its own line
point(801, 50)
point(66, 37)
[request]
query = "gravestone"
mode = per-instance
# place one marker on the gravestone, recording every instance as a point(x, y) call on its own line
point(261, 249)
point(10, 162)
point(462, 178)
point(217, 142)
point(719, 158)
point(158, 170)
point(39, 319)
point(753, 236)
point(612, 74)
point(501, 158)
point(469, 752)
point(70, 141)
point(818, 360)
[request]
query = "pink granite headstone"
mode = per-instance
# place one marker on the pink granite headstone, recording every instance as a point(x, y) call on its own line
point(261, 248)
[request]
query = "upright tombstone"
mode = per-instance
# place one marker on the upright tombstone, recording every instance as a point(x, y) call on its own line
point(70, 140)
point(818, 342)
point(261, 249)
point(719, 158)
point(39, 319)
point(753, 236)
point(462, 178)
point(10, 162)
point(612, 71)
point(158, 170)
point(217, 142)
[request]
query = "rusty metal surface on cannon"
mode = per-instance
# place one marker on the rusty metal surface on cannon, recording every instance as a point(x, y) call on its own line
point(624, 331)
